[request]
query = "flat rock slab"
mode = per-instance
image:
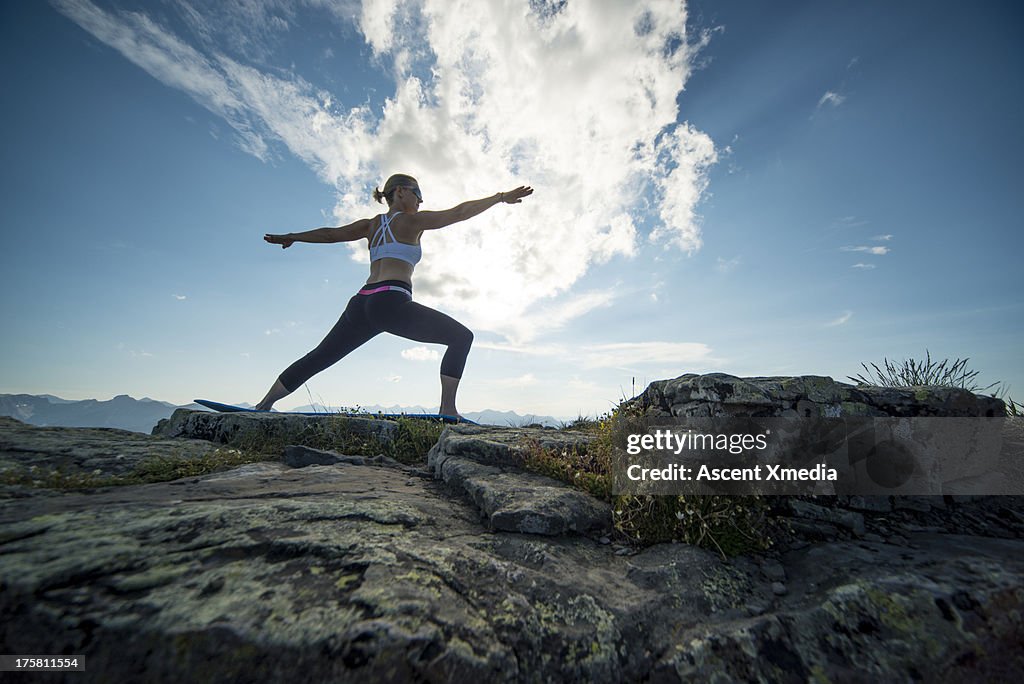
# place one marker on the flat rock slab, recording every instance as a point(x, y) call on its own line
point(486, 464)
point(359, 573)
point(239, 428)
point(103, 452)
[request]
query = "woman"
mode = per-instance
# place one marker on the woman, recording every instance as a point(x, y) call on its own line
point(384, 304)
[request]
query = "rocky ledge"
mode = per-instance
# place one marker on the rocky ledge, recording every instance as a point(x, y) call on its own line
point(808, 396)
point(353, 567)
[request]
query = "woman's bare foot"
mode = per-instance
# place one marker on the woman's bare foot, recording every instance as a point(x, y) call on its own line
point(450, 413)
point(277, 391)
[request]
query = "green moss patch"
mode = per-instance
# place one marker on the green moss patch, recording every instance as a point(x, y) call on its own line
point(731, 525)
point(155, 469)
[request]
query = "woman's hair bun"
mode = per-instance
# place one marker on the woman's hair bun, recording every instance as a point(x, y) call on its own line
point(396, 181)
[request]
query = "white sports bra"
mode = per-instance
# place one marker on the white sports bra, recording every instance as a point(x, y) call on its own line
point(384, 244)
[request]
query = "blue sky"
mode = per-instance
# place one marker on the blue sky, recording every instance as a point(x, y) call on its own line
point(751, 188)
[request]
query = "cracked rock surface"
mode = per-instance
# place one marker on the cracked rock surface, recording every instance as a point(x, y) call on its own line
point(374, 571)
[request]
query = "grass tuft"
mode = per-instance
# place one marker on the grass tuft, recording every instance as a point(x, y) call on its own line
point(412, 441)
point(580, 424)
point(731, 525)
point(911, 373)
point(409, 443)
point(167, 468)
point(583, 467)
point(1014, 408)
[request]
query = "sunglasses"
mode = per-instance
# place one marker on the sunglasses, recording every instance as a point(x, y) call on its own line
point(415, 191)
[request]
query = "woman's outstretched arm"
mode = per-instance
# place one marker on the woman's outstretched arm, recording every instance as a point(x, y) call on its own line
point(353, 231)
point(431, 220)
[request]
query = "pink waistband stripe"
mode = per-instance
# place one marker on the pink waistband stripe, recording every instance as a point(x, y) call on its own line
point(384, 288)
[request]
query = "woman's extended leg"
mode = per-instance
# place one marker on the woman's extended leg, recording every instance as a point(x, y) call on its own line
point(414, 321)
point(350, 332)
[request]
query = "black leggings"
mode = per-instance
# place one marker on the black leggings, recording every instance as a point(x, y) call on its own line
point(393, 311)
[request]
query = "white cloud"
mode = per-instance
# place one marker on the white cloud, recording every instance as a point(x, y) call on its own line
point(866, 267)
point(180, 298)
point(252, 28)
point(656, 289)
point(420, 354)
point(847, 315)
point(577, 100)
point(831, 98)
point(527, 349)
point(615, 355)
point(681, 183)
point(870, 250)
point(168, 59)
point(630, 354)
point(727, 265)
point(526, 380)
point(883, 238)
point(847, 222)
point(548, 318)
point(582, 386)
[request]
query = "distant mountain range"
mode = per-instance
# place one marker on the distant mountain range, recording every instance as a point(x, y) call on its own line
point(124, 412)
point(142, 415)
